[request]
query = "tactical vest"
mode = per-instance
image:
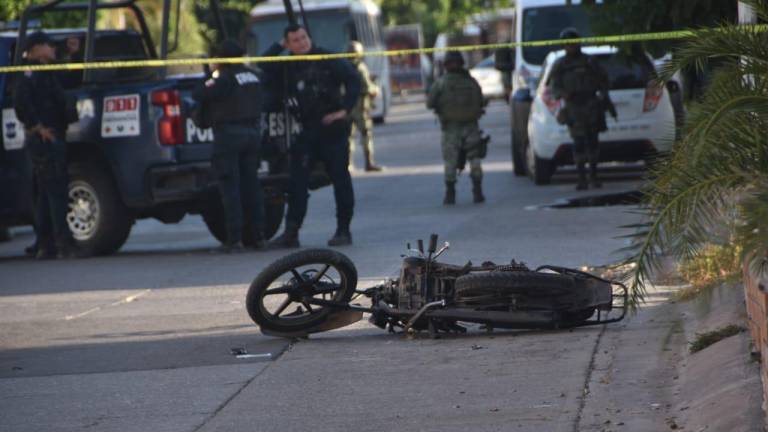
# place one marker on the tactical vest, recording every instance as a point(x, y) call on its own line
point(316, 90)
point(460, 100)
point(579, 77)
point(243, 104)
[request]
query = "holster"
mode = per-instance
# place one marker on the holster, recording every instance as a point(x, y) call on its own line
point(462, 161)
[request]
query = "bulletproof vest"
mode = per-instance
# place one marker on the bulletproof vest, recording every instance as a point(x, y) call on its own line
point(579, 78)
point(244, 102)
point(460, 98)
point(316, 90)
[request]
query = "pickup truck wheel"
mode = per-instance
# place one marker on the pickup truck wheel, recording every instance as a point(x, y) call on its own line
point(99, 221)
point(274, 209)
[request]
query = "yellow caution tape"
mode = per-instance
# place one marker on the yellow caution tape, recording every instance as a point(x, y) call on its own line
point(598, 40)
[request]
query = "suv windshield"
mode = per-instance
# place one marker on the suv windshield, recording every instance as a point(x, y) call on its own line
point(628, 72)
point(330, 30)
point(546, 23)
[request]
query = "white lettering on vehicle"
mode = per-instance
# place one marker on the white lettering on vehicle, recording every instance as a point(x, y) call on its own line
point(85, 108)
point(276, 124)
point(195, 134)
point(246, 78)
point(13, 130)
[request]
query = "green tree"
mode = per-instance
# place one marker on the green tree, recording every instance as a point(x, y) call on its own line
point(435, 16)
point(713, 187)
point(11, 10)
point(234, 13)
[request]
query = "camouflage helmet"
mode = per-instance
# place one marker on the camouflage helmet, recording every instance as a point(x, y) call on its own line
point(570, 33)
point(454, 57)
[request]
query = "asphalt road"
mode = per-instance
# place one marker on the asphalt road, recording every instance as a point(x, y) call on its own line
point(143, 340)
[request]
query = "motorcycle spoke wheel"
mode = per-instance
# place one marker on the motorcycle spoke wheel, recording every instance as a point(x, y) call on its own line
point(281, 297)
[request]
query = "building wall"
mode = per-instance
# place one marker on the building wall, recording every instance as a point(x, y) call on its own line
point(757, 317)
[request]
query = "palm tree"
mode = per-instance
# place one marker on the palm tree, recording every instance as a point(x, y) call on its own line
point(713, 186)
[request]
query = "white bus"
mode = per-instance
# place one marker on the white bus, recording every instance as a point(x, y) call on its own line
point(332, 24)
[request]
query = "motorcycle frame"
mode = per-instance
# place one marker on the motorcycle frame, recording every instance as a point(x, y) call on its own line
point(523, 319)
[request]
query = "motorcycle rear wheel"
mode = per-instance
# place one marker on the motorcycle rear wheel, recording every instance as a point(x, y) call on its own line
point(291, 281)
point(505, 283)
point(523, 290)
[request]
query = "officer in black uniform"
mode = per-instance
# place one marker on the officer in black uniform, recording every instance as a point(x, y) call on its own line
point(231, 104)
point(325, 92)
point(41, 105)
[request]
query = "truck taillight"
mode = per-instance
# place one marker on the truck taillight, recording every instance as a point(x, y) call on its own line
point(653, 95)
point(552, 105)
point(170, 128)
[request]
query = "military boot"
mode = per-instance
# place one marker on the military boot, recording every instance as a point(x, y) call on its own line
point(342, 237)
point(288, 239)
point(477, 191)
point(582, 184)
point(593, 179)
point(450, 193)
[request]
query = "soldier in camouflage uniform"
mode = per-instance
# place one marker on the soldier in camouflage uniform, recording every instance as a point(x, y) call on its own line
point(580, 80)
point(457, 100)
point(361, 113)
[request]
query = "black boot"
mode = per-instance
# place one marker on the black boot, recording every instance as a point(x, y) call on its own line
point(477, 191)
point(342, 237)
point(65, 249)
point(288, 239)
point(593, 180)
point(229, 248)
point(450, 193)
point(582, 184)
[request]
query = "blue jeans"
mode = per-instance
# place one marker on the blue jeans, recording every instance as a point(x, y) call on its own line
point(49, 164)
point(236, 166)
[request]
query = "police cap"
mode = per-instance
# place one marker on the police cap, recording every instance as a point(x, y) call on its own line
point(570, 33)
point(454, 57)
point(37, 38)
point(229, 48)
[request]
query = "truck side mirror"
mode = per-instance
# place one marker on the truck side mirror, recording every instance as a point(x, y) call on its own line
point(504, 59)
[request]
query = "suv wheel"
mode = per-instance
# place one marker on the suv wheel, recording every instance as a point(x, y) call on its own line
point(99, 222)
point(539, 170)
point(274, 209)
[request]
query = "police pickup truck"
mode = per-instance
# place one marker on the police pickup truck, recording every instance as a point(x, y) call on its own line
point(134, 152)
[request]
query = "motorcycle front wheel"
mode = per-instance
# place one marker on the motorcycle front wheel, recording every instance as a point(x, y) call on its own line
point(280, 298)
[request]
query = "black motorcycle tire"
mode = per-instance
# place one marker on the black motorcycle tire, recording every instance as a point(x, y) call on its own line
point(548, 290)
point(256, 293)
point(527, 283)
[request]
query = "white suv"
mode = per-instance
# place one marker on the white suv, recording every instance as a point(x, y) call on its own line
point(645, 125)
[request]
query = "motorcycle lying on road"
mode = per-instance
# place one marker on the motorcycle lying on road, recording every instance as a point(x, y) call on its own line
point(313, 291)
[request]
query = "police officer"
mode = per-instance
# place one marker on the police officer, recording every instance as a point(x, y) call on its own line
point(325, 92)
point(583, 83)
point(457, 100)
point(41, 105)
point(361, 113)
point(231, 104)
